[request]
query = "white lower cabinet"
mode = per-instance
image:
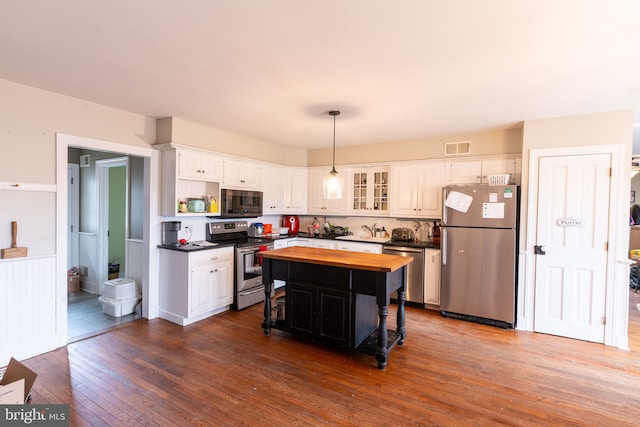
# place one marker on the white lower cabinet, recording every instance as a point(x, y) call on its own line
point(432, 277)
point(195, 285)
point(371, 248)
point(322, 243)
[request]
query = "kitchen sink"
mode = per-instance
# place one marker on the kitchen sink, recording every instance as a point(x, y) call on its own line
point(370, 239)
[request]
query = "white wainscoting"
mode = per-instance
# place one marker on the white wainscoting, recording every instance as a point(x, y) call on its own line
point(135, 261)
point(88, 253)
point(28, 307)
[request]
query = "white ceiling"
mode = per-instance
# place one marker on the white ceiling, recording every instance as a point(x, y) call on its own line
point(398, 70)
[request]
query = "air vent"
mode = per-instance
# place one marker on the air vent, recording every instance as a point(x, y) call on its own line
point(457, 148)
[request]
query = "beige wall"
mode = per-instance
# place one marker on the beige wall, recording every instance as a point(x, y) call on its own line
point(31, 117)
point(574, 131)
point(178, 131)
point(495, 142)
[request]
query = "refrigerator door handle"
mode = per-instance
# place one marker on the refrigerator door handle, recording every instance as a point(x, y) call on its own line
point(444, 208)
point(444, 246)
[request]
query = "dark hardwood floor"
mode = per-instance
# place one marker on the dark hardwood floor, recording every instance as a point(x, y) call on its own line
point(223, 371)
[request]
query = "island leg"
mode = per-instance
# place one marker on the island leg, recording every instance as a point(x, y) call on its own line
point(382, 352)
point(266, 323)
point(400, 316)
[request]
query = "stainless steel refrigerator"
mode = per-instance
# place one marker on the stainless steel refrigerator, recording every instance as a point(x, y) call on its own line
point(479, 245)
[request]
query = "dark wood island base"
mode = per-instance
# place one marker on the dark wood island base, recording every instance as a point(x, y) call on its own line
point(338, 297)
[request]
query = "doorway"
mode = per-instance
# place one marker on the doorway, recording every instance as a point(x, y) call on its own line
point(113, 208)
point(104, 207)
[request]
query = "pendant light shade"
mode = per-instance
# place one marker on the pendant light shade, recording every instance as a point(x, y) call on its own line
point(333, 182)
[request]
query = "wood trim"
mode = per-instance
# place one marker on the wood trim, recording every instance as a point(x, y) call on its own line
point(26, 186)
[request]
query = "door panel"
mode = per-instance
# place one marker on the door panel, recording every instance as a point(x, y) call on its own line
point(572, 224)
point(478, 272)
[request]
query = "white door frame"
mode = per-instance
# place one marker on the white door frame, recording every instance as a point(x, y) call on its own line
point(73, 172)
point(617, 275)
point(151, 226)
point(102, 172)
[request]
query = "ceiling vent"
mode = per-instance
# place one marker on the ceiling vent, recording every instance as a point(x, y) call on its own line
point(457, 148)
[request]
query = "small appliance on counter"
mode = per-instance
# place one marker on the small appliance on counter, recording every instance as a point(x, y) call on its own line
point(292, 222)
point(170, 233)
point(405, 234)
point(256, 229)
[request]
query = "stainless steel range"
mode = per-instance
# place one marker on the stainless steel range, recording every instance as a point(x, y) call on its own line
point(248, 289)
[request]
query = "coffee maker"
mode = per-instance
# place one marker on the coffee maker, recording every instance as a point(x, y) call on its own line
point(170, 233)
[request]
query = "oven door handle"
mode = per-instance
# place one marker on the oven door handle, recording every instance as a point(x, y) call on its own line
point(252, 291)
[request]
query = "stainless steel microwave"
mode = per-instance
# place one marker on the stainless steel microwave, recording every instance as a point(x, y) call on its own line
point(240, 203)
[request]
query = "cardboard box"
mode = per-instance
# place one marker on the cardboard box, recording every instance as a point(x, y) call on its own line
point(16, 383)
point(73, 284)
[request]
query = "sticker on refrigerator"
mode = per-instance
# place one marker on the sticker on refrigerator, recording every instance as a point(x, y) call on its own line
point(458, 201)
point(493, 210)
point(508, 193)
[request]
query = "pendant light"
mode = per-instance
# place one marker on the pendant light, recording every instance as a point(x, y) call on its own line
point(333, 182)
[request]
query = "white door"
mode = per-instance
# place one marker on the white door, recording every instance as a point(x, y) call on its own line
point(73, 203)
point(572, 224)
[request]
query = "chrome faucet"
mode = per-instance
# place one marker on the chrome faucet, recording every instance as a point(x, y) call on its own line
point(371, 229)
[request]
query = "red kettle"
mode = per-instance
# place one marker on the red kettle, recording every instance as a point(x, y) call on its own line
point(292, 223)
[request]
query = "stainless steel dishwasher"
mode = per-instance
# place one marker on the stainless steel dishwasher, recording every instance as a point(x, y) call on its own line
point(415, 272)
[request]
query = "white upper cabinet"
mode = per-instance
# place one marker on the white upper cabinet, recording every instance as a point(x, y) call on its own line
point(183, 177)
point(478, 171)
point(501, 166)
point(466, 172)
point(199, 165)
point(416, 189)
point(295, 196)
point(272, 185)
point(369, 191)
point(241, 174)
point(317, 202)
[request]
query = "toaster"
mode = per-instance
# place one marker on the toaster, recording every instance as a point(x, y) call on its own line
point(402, 234)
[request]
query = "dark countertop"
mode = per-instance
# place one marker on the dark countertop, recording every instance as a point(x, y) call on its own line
point(413, 244)
point(189, 247)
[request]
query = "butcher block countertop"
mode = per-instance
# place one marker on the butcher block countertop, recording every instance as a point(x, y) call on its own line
point(335, 258)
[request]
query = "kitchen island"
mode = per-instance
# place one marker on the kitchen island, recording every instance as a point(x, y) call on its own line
point(337, 296)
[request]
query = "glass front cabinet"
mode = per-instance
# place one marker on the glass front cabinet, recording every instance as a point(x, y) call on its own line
point(369, 191)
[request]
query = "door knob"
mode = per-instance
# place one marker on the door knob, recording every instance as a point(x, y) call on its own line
point(540, 250)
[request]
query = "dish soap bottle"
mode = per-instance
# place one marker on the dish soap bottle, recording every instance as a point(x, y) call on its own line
point(316, 226)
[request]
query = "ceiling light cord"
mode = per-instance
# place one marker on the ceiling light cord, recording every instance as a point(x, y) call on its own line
point(334, 113)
